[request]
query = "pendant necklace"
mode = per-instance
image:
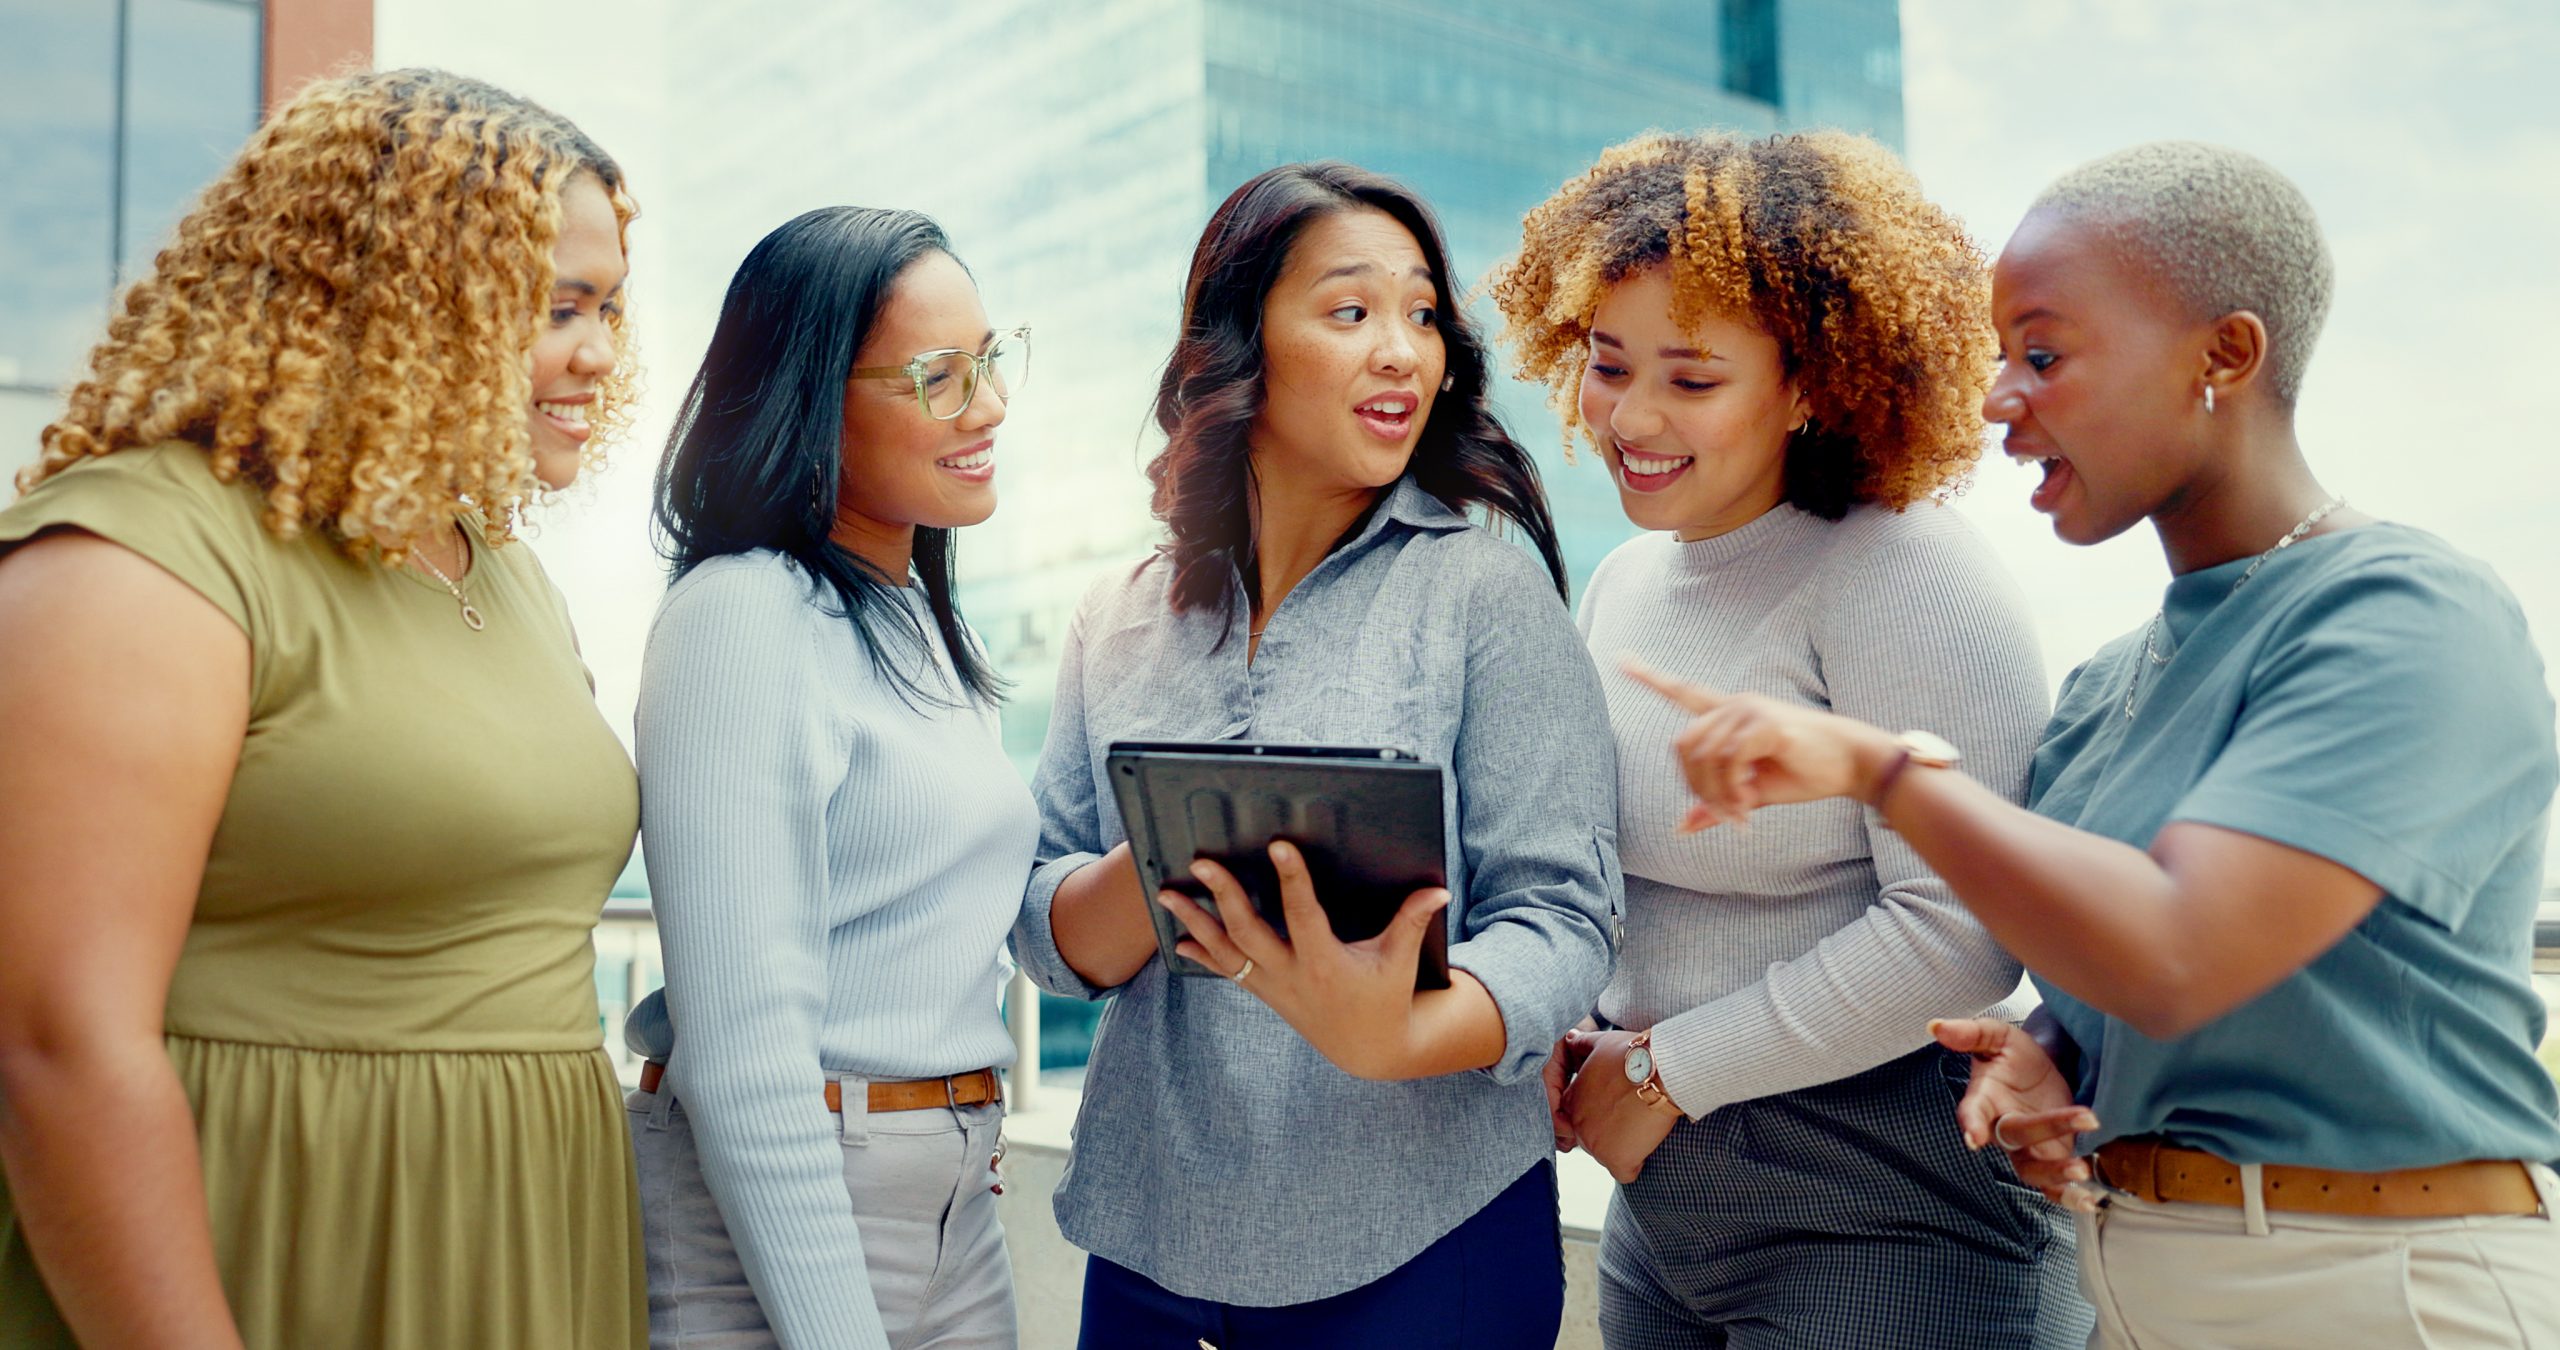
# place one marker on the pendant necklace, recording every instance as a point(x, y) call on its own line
point(2151, 653)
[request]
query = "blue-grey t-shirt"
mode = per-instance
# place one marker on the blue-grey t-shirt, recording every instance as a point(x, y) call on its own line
point(2371, 697)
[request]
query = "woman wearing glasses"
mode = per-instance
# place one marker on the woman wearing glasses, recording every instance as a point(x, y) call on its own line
point(1311, 1153)
point(836, 841)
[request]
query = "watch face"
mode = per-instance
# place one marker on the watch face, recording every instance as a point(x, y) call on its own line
point(1932, 749)
point(1639, 1064)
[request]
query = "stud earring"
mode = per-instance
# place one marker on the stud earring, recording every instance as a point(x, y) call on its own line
point(1448, 382)
point(2208, 400)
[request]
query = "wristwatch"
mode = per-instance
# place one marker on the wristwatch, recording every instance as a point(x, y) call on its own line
point(1647, 1076)
point(1927, 749)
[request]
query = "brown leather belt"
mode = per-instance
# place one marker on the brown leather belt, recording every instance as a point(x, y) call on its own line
point(960, 1089)
point(2158, 1171)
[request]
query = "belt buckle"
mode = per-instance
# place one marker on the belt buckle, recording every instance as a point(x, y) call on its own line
point(951, 1091)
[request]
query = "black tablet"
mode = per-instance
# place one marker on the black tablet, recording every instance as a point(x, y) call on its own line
point(1367, 820)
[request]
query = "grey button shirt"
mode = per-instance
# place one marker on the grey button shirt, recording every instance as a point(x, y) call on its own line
point(1217, 1153)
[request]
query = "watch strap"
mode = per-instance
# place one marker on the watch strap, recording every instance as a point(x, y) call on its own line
point(1651, 1091)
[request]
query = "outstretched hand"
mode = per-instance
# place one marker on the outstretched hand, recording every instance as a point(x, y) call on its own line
point(2019, 1102)
point(1741, 752)
point(1353, 1001)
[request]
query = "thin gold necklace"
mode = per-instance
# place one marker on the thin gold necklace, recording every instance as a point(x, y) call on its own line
point(470, 615)
point(2151, 653)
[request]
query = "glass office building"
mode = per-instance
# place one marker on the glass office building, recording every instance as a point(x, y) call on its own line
point(113, 113)
point(1074, 151)
point(1487, 107)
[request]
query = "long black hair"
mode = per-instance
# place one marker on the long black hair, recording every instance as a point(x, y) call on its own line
point(1213, 384)
point(756, 457)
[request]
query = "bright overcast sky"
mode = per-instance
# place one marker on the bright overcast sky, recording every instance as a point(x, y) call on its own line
point(2427, 135)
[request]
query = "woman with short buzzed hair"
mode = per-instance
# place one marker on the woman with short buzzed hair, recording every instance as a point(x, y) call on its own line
point(2277, 870)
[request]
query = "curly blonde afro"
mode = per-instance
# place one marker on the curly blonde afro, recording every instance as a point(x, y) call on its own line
point(347, 316)
point(1879, 301)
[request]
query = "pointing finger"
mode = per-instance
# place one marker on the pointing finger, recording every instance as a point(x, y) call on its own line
point(1694, 698)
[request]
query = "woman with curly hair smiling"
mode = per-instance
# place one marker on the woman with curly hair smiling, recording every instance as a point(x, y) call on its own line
point(1778, 348)
point(2277, 870)
point(308, 811)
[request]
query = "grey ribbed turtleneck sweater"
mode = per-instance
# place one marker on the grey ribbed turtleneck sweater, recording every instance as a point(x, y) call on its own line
point(1815, 944)
point(835, 874)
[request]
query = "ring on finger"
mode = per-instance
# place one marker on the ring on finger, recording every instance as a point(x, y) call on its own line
point(1242, 971)
point(1999, 1124)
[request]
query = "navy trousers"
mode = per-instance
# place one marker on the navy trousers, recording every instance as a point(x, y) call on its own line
point(1495, 1282)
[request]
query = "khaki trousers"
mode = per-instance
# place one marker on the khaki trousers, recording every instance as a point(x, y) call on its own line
point(2207, 1277)
point(921, 1189)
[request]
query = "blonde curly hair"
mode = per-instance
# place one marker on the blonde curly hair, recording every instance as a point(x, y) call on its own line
point(347, 316)
point(1879, 301)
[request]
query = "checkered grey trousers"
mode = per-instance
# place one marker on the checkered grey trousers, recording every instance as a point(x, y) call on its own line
point(1848, 1216)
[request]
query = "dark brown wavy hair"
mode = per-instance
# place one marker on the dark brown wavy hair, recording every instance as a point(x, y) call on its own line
point(1213, 385)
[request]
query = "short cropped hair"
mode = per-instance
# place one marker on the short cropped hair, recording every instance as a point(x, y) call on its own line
point(2221, 230)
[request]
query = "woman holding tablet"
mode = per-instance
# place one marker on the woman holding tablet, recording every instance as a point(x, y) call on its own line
point(2277, 870)
point(1313, 1153)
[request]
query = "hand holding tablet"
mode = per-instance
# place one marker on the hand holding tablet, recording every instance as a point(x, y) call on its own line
point(1365, 825)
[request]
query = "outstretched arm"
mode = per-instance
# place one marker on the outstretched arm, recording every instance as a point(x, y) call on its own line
point(2165, 940)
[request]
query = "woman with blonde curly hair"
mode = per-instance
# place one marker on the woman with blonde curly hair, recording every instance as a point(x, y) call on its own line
point(308, 811)
point(1778, 347)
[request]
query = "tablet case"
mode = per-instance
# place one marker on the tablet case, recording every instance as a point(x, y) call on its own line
point(1367, 820)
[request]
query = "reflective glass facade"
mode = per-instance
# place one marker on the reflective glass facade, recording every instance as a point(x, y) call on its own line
point(1073, 153)
point(1486, 107)
point(113, 114)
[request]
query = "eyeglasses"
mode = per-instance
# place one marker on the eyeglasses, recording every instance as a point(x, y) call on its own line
point(946, 380)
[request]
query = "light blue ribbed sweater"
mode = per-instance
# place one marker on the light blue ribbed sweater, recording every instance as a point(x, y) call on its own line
point(835, 873)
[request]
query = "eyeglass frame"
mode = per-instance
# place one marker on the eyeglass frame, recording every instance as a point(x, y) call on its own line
point(916, 369)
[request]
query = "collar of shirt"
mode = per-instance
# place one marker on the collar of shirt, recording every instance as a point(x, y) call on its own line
point(1407, 503)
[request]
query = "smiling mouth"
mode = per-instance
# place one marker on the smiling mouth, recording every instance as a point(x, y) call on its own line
point(569, 419)
point(1650, 473)
point(984, 457)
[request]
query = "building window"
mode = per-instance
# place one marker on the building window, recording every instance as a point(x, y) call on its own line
point(1750, 41)
point(113, 115)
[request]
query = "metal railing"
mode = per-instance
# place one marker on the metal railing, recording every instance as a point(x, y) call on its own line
point(627, 968)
